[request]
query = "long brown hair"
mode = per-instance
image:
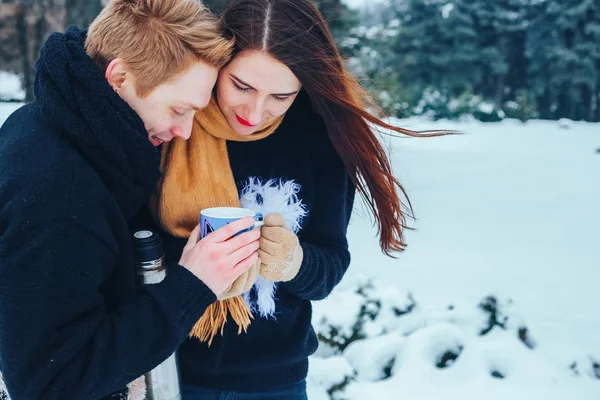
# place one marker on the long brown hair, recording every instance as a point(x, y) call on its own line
point(295, 33)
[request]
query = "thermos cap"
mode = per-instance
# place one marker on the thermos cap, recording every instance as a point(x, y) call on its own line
point(147, 246)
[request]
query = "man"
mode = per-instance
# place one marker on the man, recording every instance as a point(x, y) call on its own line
point(76, 165)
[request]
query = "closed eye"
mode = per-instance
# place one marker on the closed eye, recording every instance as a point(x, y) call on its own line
point(282, 98)
point(179, 113)
point(240, 88)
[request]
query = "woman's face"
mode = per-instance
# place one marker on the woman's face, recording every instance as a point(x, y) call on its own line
point(255, 89)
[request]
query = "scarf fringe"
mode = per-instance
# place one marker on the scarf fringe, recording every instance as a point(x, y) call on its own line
point(214, 318)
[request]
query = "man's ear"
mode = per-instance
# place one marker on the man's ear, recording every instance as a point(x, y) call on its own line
point(116, 74)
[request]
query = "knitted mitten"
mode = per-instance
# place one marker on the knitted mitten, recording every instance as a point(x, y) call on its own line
point(279, 251)
point(243, 283)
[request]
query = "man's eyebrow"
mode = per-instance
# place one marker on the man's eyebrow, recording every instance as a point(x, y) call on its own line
point(274, 94)
point(194, 107)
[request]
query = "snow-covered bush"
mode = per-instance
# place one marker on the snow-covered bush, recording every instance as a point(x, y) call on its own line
point(441, 104)
point(499, 314)
point(373, 358)
point(586, 366)
point(522, 108)
point(327, 376)
point(488, 112)
point(348, 316)
point(376, 341)
point(565, 123)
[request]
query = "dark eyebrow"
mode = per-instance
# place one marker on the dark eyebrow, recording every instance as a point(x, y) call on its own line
point(273, 94)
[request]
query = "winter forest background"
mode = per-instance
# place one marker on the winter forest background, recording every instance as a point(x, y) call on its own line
point(441, 58)
point(497, 295)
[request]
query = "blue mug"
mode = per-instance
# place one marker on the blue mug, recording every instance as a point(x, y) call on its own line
point(214, 218)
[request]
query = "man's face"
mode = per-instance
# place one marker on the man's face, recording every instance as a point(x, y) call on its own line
point(168, 111)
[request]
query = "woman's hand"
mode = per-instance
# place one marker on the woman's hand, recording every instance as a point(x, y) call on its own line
point(219, 258)
point(280, 251)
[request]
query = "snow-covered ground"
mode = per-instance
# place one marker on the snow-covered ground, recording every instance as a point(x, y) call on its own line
point(359, 4)
point(509, 210)
point(507, 220)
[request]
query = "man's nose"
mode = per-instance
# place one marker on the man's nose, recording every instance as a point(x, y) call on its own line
point(183, 130)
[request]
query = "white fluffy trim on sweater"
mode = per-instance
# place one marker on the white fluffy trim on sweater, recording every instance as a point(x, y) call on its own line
point(3, 390)
point(274, 196)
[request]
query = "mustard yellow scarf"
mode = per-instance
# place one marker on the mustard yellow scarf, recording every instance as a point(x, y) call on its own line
point(196, 175)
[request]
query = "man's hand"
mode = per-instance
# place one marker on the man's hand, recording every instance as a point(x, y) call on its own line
point(219, 258)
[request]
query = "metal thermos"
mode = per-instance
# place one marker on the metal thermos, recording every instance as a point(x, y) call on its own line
point(162, 383)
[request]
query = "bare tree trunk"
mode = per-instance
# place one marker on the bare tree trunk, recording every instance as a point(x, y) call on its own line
point(500, 88)
point(597, 111)
point(544, 104)
point(41, 28)
point(564, 101)
point(21, 30)
point(587, 103)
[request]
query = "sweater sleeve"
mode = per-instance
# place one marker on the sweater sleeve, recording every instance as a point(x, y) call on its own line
point(323, 239)
point(58, 340)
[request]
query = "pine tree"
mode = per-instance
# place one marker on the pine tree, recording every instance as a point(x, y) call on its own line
point(459, 54)
point(513, 19)
point(436, 48)
point(417, 45)
point(339, 17)
point(563, 57)
point(588, 47)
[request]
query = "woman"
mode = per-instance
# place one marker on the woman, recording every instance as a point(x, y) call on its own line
point(284, 108)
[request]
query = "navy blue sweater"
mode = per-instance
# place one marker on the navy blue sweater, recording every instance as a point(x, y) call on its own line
point(75, 166)
point(274, 352)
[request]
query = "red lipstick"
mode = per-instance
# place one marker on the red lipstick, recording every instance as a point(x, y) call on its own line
point(243, 121)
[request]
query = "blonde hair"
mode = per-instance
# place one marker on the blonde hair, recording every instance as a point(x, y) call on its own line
point(157, 39)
